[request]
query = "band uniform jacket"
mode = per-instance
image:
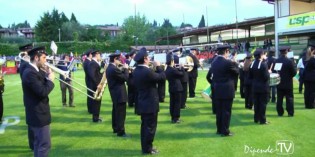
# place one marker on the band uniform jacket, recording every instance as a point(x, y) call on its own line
point(309, 72)
point(173, 75)
point(95, 77)
point(194, 72)
point(23, 66)
point(85, 68)
point(116, 79)
point(259, 76)
point(287, 72)
point(146, 82)
point(223, 72)
point(36, 89)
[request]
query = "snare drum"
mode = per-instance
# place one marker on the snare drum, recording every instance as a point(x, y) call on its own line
point(274, 79)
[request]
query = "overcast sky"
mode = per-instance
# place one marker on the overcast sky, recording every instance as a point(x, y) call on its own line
point(115, 11)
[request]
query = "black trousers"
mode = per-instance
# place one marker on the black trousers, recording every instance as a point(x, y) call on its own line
point(309, 94)
point(183, 95)
point(248, 96)
point(273, 93)
point(161, 90)
point(131, 95)
point(260, 104)
point(64, 88)
point(30, 137)
point(223, 115)
point(192, 86)
point(214, 110)
point(288, 94)
point(148, 129)
point(242, 86)
point(42, 142)
point(118, 118)
point(95, 107)
point(175, 105)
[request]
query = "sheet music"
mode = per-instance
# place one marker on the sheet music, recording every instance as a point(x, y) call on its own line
point(278, 66)
point(132, 63)
point(161, 57)
point(290, 54)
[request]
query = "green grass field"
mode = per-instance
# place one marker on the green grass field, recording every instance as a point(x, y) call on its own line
point(73, 133)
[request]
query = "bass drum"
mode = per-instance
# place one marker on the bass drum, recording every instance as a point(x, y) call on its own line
point(274, 79)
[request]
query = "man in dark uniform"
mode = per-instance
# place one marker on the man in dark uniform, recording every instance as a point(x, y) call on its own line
point(95, 76)
point(36, 88)
point(193, 74)
point(184, 79)
point(175, 88)
point(24, 55)
point(223, 72)
point(285, 88)
point(271, 62)
point(209, 79)
point(24, 63)
point(148, 99)
point(116, 84)
point(259, 76)
point(131, 86)
point(86, 63)
point(63, 65)
point(308, 76)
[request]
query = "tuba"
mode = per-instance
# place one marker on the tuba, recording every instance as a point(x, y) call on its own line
point(99, 92)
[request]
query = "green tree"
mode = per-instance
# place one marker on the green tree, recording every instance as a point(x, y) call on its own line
point(1, 27)
point(167, 30)
point(202, 22)
point(47, 28)
point(73, 18)
point(135, 29)
point(64, 18)
point(183, 25)
point(69, 29)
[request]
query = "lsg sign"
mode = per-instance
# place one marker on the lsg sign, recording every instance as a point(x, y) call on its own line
point(284, 147)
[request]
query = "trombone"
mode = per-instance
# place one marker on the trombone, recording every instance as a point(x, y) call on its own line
point(66, 75)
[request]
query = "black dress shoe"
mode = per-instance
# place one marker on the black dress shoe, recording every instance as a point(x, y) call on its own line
point(226, 135)
point(124, 135)
point(176, 121)
point(97, 120)
point(264, 123)
point(290, 115)
point(218, 133)
point(152, 152)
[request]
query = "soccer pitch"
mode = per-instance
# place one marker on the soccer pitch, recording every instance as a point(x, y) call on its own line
point(73, 133)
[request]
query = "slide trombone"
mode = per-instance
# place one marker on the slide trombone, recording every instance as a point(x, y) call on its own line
point(66, 75)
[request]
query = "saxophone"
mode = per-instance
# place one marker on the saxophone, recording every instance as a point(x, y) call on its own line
point(99, 92)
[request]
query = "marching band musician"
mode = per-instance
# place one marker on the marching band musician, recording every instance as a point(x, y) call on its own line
point(175, 87)
point(259, 75)
point(183, 79)
point(285, 88)
point(193, 74)
point(86, 63)
point(309, 75)
point(116, 83)
point(36, 88)
point(23, 65)
point(95, 76)
point(223, 72)
point(209, 79)
point(247, 82)
point(147, 105)
point(131, 86)
point(271, 62)
point(63, 86)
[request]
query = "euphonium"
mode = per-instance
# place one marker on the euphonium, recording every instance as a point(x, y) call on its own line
point(99, 92)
